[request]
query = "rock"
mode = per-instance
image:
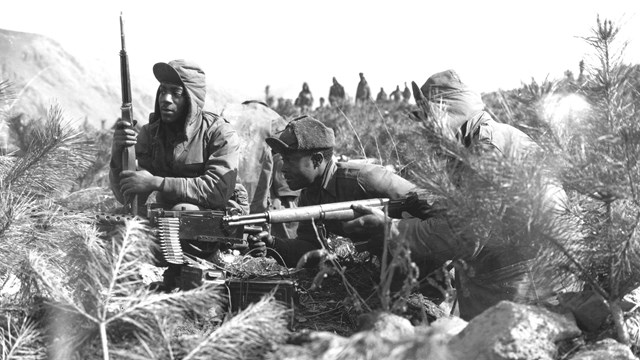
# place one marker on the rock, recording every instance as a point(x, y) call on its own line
point(376, 340)
point(513, 331)
point(588, 307)
point(607, 349)
point(452, 325)
point(386, 325)
point(312, 345)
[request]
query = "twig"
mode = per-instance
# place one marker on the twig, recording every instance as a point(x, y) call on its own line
point(364, 153)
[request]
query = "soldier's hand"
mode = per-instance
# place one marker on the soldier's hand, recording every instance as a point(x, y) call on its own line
point(419, 207)
point(137, 182)
point(370, 224)
point(370, 221)
point(124, 135)
point(260, 242)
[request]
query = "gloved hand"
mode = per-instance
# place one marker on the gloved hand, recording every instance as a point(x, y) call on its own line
point(418, 207)
point(125, 134)
point(260, 242)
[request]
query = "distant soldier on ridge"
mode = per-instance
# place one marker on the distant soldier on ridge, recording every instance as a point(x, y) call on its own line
point(305, 100)
point(382, 96)
point(268, 98)
point(363, 93)
point(336, 93)
point(396, 95)
point(406, 93)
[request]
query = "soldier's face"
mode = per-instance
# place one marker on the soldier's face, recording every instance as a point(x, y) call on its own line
point(172, 101)
point(298, 169)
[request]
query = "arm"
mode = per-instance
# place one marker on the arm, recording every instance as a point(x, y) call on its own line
point(428, 240)
point(376, 181)
point(215, 186)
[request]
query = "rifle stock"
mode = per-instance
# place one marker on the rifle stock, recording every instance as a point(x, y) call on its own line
point(129, 152)
point(332, 211)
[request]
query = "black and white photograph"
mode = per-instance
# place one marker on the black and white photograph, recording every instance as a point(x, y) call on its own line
point(284, 180)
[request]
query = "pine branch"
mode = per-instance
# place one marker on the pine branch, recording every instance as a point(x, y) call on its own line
point(55, 157)
point(21, 340)
point(247, 335)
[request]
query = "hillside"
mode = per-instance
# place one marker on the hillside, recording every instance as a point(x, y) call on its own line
point(43, 73)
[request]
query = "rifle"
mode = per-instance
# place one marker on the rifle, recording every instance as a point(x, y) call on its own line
point(129, 152)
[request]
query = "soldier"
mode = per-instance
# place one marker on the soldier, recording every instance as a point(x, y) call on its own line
point(188, 156)
point(363, 92)
point(321, 104)
point(268, 98)
point(164, 148)
point(382, 96)
point(406, 93)
point(306, 146)
point(336, 93)
point(488, 276)
point(396, 95)
point(304, 101)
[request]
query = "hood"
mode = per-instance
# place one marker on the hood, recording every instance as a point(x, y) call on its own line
point(192, 77)
point(457, 100)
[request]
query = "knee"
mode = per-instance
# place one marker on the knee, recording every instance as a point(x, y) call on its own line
point(186, 207)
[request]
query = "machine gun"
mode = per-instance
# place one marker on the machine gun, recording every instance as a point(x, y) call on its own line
point(227, 229)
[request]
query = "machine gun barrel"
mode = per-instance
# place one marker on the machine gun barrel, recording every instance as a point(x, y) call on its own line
point(331, 211)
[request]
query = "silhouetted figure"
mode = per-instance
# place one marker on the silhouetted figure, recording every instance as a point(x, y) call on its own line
point(363, 93)
point(268, 98)
point(396, 95)
point(382, 96)
point(322, 101)
point(406, 93)
point(305, 100)
point(336, 94)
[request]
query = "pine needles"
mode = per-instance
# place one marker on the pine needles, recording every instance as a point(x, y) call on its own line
point(55, 156)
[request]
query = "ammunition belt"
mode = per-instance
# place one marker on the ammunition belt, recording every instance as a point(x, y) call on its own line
point(169, 236)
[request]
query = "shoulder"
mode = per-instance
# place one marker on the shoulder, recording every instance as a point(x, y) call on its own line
point(216, 123)
point(218, 128)
point(361, 170)
point(506, 138)
point(348, 169)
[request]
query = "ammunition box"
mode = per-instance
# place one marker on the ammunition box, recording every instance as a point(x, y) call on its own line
point(246, 291)
point(242, 292)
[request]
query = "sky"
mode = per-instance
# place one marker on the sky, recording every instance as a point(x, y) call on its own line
point(245, 45)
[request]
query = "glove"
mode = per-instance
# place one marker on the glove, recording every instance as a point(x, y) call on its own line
point(418, 207)
point(259, 243)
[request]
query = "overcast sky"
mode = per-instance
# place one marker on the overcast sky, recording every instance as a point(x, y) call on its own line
point(245, 45)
